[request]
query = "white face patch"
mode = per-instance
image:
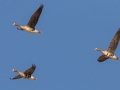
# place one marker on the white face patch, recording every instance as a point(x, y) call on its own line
point(94, 48)
point(13, 70)
point(13, 23)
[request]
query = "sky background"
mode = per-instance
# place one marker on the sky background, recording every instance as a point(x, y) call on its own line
point(64, 53)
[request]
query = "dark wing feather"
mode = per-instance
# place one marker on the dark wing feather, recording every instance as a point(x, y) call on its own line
point(113, 44)
point(102, 58)
point(16, 77)
point(29, 71)
point(34, 18)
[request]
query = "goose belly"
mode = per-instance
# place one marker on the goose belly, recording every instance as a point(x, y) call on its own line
point(108, 54)
point(27, 29)
point(21, 74)
point(30, 78)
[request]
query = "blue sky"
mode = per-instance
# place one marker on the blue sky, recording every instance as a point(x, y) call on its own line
point(64, 52)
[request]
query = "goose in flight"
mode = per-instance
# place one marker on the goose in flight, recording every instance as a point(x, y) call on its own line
point(109, 53)
point(26, 75)
point(30, 27)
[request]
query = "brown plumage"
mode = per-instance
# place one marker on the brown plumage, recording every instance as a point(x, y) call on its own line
point(35, 17)
point(102, 58)
point(109, 53)
point(16, 77)
point(27, 74)
point(114, 42)
point(30, 27)
point(30, 70)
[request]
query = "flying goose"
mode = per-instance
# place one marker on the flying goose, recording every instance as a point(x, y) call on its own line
point(26, 75)
point(109, 53)
point(30, 27)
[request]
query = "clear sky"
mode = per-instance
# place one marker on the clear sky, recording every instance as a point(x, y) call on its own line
point(64, 53)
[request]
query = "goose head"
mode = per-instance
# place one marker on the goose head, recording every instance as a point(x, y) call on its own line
point(14, 70)
point(97, 49)
point(15, 24)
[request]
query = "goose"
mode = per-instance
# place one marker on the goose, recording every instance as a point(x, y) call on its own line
point(109, 53)
point(30, 27)
point(26, 75)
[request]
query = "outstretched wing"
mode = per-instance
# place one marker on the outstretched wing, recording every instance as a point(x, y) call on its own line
point(30, 71)
point(35, 17)
point(16, 77)
point(102, 58)
point(113, 44)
